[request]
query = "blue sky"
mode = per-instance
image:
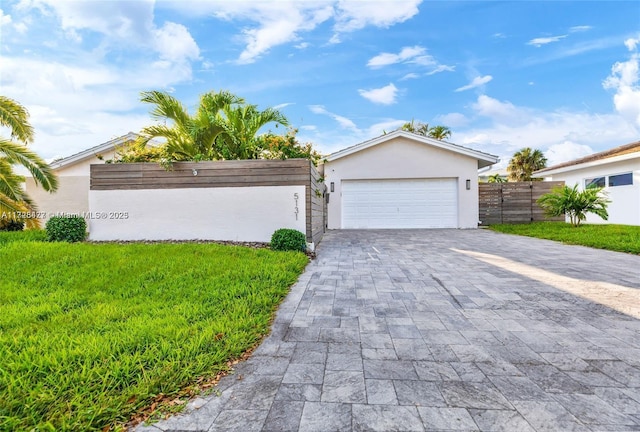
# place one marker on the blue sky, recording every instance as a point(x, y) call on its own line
point(560, 76)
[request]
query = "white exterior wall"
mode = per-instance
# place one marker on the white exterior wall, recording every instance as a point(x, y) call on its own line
point(72, 195)
point(402, 158)
point(625, 200)
point(234, 213)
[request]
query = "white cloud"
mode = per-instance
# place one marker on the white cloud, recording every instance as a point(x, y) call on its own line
point(174, 42)
point(302, 45)
point(355, 15)
point(4, 19)
point(442, 68)
point(566, 151)
point(538, 42)
point(283, 105)
point(406, 54)
point(624, 80)
point(476, 82)
point(129, 23)
point(499, 35)
point(580, 28)
point(452, 120)
point(385, 95)
point(281, 22)
point(410, 76)
point(342, 121)
point(566, 134)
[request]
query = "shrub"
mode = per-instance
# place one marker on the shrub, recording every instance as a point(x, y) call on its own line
point(286, 239)
point(11, 225)
point(66, 228)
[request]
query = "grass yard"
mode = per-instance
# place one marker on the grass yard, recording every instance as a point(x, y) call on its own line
point(90, 334)
point(621, 238)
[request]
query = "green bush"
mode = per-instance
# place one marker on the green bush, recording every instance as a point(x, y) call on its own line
point(11, 225)
point(286, 239)
point(66, 228)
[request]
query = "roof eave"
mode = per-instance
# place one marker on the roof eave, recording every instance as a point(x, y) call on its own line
point(484, 159)
point(551, 171)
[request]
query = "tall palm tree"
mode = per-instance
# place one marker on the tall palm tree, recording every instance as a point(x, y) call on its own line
point(241, 125)
point(524, 162)
point(13, 199)
point(188, 137)
point(439, 132)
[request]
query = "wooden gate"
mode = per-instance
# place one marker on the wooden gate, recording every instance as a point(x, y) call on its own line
point(514, 202)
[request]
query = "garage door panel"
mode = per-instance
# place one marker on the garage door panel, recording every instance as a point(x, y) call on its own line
point(411, 203)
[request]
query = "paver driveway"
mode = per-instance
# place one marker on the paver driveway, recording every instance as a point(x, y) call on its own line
point(442, 330)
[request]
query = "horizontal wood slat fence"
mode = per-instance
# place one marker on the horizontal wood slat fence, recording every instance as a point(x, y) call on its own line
point(218, 174)
point(514, 202)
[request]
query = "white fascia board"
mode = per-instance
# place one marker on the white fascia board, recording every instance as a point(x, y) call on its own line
point(599, 162)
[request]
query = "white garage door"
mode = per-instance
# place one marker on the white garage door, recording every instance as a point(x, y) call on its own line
point(406, 203)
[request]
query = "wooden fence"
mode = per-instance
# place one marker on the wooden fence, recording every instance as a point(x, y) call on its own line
point(513, 202)
point(222, 174)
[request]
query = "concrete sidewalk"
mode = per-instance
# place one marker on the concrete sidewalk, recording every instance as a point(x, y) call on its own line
point(445, 330)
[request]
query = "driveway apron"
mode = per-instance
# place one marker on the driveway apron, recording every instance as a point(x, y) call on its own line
point(441, 330)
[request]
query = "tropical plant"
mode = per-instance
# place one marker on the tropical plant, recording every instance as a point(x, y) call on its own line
point(496, 178)
point(286, 146)
point(524, 162)
point(188, 137)
point(240, 125)
point(436, 132)
point(15, 204)
point(574, 203)
point(440, 132)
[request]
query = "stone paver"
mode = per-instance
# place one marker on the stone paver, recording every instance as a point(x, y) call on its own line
point(420, 330)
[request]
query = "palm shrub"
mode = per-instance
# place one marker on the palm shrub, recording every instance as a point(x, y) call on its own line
point(574, 203)
point(286, 239)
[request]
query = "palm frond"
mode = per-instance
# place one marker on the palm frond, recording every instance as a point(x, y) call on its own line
point(166, 107)
point(16, 117)
point(39, 169)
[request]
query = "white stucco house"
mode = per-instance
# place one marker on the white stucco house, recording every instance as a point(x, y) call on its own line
point(616, 170)
point(404, 180)
point(72, 195)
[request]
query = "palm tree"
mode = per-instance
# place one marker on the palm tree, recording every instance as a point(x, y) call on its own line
point(188, 137)
point(439, 132)
point(524, 162)
point(419, 128)
point(575, 204)
point(13, 199)
point(496, 178)
point(241, 125)
point(416, 127)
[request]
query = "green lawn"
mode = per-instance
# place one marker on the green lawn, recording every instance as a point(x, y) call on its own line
point(92, 333)
point(621, 238)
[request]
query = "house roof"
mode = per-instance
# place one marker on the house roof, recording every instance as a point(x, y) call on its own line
point(94, 151)
point(484, 159)
point(623, 152)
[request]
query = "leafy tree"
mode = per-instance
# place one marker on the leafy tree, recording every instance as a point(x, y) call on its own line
point(575, 204)
point(188, 137)
point(419, 128)
point(13, 199)
point(286, 146)
point(524, 162)
point(240, 124)
point(496, 178)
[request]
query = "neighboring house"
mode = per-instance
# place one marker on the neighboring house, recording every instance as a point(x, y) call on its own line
point(617, 170)
point(73, 179)
point(404, 180)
